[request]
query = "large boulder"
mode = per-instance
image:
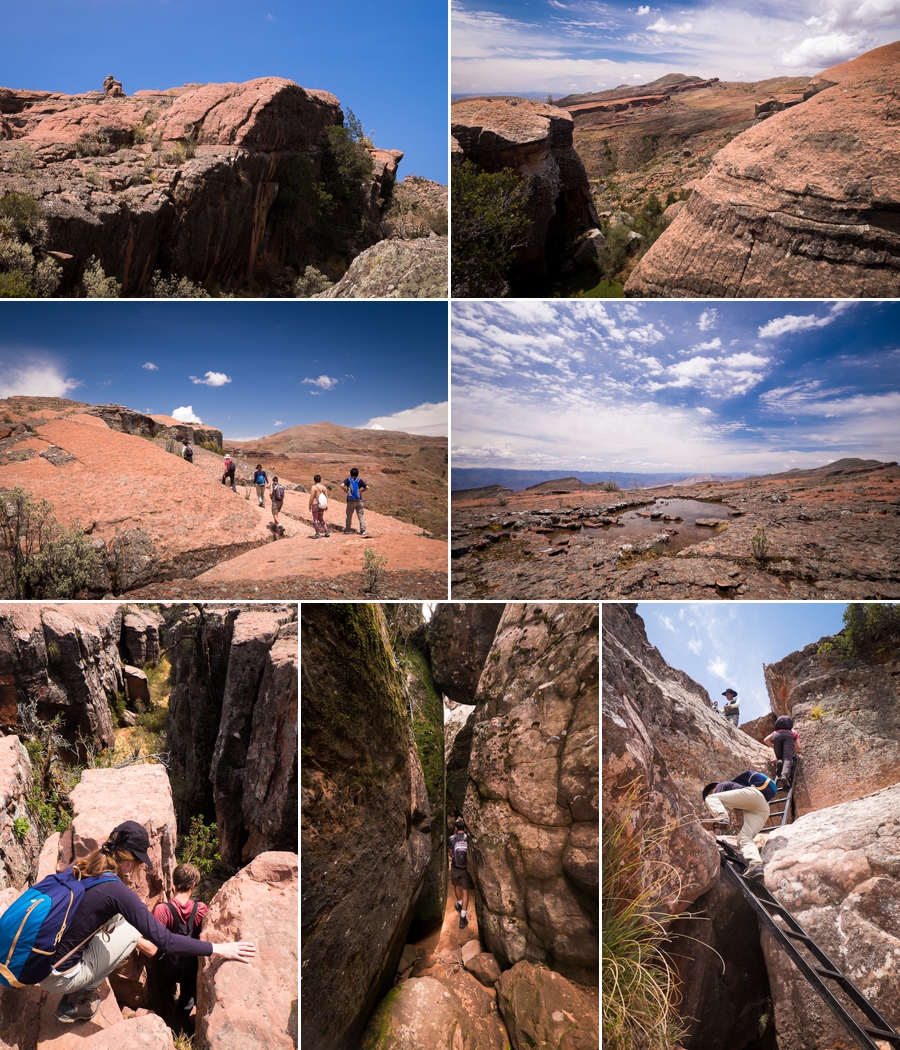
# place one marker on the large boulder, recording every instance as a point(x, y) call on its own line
point(535, 140)
point(366, 824)
point(460, 636)
point(61, 660)
point(542, 1009)
point(459, 728)
point(836, 872)
point(145, 1032)
point(533, 800)
point(396, 269)
point(252, 1006)
point(20, 844)
point(799, 205)
point(847, 713)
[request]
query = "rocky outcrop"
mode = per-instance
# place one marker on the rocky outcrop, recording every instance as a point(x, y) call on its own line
point(19, 841)
point(396, 269)
point(532, 805)
point(847, 713)
point(366, 825)
point(460, 636)
point(61, 660)
point(141, 626)
point(249, 1007)
point(662, 741)
point(185, 181)
point(127, 421)
point(802, 204)
point(534, 140)
point(542, 1008)
point(459, 727)
point(836, 872)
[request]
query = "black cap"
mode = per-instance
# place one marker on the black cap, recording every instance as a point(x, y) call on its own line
point(727, 691)
point(460, 823)
point(129, 836)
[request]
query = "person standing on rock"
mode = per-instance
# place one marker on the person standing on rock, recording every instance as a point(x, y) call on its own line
point(459, 872)
point(277, 502)
point(230, 470)
point(750, 792)
point(261, 481)
point(354, 486)
point(187, 453)
point(318, 504)
point(786, 745)
point(731, 710)
point(109, 922)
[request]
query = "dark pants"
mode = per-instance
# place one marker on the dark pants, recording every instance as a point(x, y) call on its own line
point(784, 747)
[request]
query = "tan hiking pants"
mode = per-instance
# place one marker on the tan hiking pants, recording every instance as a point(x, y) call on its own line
point(102, 954)
point(756, 813)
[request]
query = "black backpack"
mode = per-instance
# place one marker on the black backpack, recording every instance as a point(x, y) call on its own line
point(461, 851)
point(180, 968)
point(278, 492)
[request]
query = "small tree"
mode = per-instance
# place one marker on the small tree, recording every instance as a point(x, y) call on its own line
point(39, 558)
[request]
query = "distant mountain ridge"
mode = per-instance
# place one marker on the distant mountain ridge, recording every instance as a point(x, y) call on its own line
point(518, 480)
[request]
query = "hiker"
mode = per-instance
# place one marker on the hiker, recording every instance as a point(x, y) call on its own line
point(354, 486)
point(459, 874)
point(103, 929)
point(183, 916)
point(786, 745)
point(187, 453)
point(732, 704)
point(261, 481)
point(318, 504)
point(277, 501)
point(230, 468)
point(750, 792)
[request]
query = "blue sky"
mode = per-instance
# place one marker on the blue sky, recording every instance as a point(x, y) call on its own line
point(723, 645)
point(562, 46)
point(730, 386)
point(387, 63)
point(249, 369)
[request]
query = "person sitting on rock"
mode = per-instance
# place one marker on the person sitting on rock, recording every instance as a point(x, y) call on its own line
point(786, 745)
point(261, 481)
point(230, 470)
point(318, 504)
point(731, 710)
point(459, 873)
point(750, 792)
point(184, 916)
point(187, 453)
point(354, 486)
point(109, 922)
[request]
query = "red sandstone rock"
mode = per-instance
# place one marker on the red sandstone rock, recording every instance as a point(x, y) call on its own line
point(245, 1007)
point(798, 205)
point(18, 854)
point(146, 1031)
point(542, 1008)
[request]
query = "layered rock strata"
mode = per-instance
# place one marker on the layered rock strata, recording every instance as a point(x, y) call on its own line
point(802, 204)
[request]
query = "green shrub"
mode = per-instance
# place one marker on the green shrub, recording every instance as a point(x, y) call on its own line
point(21, 217)
point(96, 284)
point(94, 144)
point(490, 223)
point(21, 827)
point(200, 846)
point(211, 446)
point(871, 629)
point(311, 283)
point(22, 160)
point(175, 288)
point(373, 568)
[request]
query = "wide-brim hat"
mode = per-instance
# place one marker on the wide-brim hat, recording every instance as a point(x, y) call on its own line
point(133, 837)
point(731, 691)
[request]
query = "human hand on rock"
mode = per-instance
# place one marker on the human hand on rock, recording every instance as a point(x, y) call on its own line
point(237, 951)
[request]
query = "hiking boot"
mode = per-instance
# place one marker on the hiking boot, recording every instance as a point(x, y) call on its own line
point(362, 533)
point(463, 922)
point(721, 824)
point(81, 1006)
point(458, 905)
point(755, 872)
point(327, 534)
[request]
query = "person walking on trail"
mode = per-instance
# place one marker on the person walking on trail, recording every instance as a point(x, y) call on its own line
point(261, 481)
point(230, 469)
point(104, 929)
point(459, 873)
point(786, 745)
point(354, 486)
point(184, 916)
point(750, 792)
point(731, 710)
point(318, 504)
point(277, 495)
point(187, 453)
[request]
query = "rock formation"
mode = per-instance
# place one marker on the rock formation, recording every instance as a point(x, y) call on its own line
point(204, 181)
point(534, 140)
point(802, 204)
point(254, 1006)
point(460, 636)
point(542, 1008)
point(396, 269)
point(367, 826)
point(19, 842)
point(532, 803)
point(459, 727)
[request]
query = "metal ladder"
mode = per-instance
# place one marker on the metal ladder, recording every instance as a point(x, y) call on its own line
point(791, 937)
point(787, 814)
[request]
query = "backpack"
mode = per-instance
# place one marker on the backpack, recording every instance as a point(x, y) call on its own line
point(353, 488)
point(260, 477)
point(188, 452)
point(758, 780)
point(460, 851)
point(230, 466)
point(322, 501)
point(278, 492)
point(180, 969)
point(34, 924)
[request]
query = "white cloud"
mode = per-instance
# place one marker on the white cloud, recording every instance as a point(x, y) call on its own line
point(713, 344)
point(325, 382)
point(279, 422)
point(819, 52)
point(792, 323)
point(643, 11)
point(150, 366)
point(716, 376)
point(695, 645)
point(708, 319)
point(212, 379)
point(426, 419)
point(662, 26)
point(186, 414)
point(36, 378)
point(719, 668)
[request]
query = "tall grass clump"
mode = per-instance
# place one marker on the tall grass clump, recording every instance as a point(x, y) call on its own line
point(640, 994)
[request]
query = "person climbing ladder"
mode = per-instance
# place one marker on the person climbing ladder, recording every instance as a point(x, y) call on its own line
point(786, 745)
point(459, 871)
point(750, 792)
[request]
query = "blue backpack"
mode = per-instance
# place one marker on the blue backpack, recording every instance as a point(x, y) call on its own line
point(34, 924)
point(760, 781)
point(353, 488)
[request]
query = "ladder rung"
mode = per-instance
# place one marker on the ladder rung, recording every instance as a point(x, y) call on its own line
point(834, 974)
point(798, 936)
point(880, 1033)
